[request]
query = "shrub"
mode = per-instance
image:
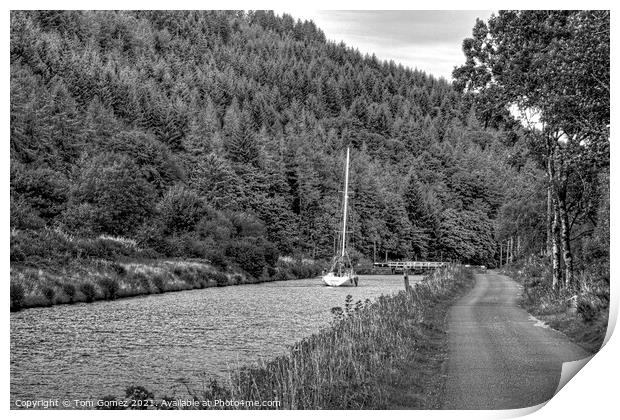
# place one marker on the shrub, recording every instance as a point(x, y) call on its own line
point(248, 255)
point(89, 291)
point(265, 275)
point(187, 275)
point(220, 279)
point(202, 276)
point(586, 310)
point(193, 248)
point(151, 236)
point(180, 209)
point(23, 216)
point(214, 226)
point(49, 294)
point(109, 287)
point(119, 196)
point(217, 259)
point(44, 189)
point(282, 274)
point(17, 296)
point(141, 279)
point(69, 290)
point(159, 282)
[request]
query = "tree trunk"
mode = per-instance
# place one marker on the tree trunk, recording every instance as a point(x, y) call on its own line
point(549, 211)
point(552, 216)
point(555, 249)
point(500, 254)
point(561, 192)
point(566, 254)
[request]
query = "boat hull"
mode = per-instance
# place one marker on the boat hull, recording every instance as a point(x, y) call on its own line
point(340, 281)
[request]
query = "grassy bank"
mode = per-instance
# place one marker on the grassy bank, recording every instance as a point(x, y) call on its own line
point(581, 312)
point(386, 354)
point(61, 269)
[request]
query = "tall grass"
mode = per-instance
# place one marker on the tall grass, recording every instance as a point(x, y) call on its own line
point(373, 355)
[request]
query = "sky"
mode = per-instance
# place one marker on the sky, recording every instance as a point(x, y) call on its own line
point(427, 40)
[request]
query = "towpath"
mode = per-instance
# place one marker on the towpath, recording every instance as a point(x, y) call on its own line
point(499, 356)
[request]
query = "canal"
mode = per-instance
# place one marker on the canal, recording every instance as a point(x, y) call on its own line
point(170, 341)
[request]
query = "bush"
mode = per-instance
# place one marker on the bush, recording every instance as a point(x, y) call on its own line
point(89, 291)
point(141, 279)
point(187, 275)
point(217, 259)
point(180, 209)
point(23, 216)
point(49, 294)
point(120, 197)
point(109, 287)
point(159, 282)
point(43, 190)
point(587, 311)
point(220, 279)
point(249, 255)
point(69, 290)
point(282, 274)
point(17, 296)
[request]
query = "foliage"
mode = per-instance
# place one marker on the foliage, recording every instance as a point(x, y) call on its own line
point(551, 70)
point(89, 291)
point(17, 296)
point(201, 133)
point(109, 197)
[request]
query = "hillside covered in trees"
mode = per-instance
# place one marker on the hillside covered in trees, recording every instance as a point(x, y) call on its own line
point(220, 136)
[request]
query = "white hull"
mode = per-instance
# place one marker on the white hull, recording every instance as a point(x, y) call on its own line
point(333, 280)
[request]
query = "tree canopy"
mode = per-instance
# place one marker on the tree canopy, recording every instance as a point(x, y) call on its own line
point(200, 132)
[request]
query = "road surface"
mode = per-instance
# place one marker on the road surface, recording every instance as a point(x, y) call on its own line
point(499, 356)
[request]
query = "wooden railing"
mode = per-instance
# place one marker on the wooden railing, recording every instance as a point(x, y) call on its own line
point(410, 265)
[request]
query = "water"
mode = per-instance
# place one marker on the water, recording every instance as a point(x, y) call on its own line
point(87, 351)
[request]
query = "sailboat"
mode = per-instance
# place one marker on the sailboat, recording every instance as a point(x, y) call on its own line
point(341, 272)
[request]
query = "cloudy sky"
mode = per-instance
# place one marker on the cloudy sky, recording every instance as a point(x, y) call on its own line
point(424, 39)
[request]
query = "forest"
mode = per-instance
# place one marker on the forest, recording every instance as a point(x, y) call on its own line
point(220, 136)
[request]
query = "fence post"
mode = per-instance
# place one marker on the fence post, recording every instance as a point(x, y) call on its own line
point(406, 278)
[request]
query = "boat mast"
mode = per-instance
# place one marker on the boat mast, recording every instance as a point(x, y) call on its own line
point(346, 199)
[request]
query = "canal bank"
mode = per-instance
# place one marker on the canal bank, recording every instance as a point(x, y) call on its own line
point(90, 281)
